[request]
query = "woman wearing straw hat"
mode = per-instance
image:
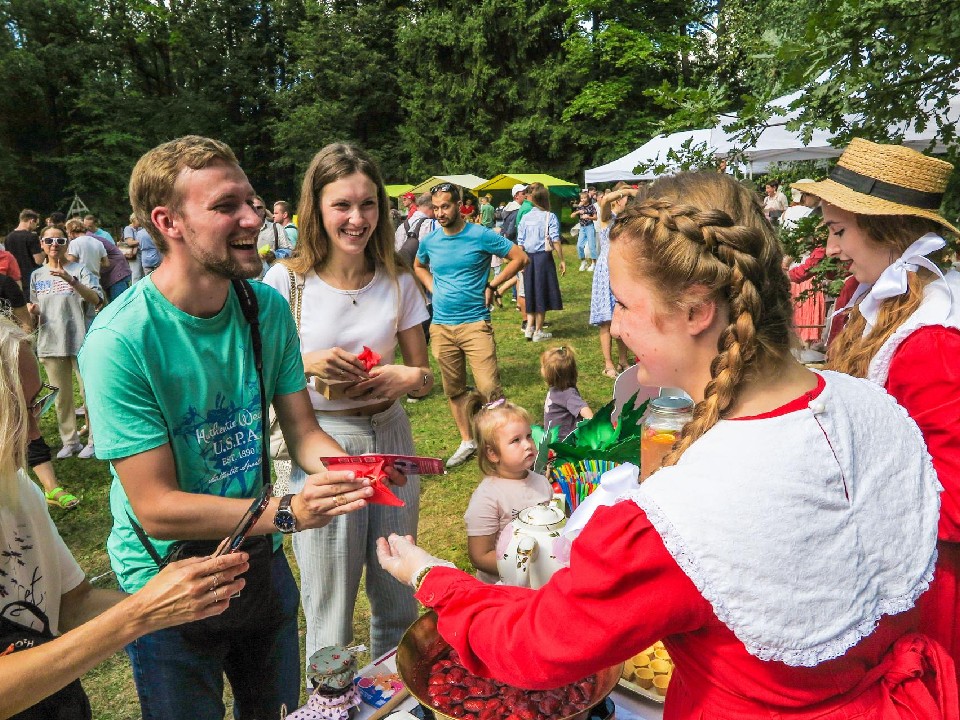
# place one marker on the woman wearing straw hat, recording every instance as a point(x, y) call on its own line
point(881, 205)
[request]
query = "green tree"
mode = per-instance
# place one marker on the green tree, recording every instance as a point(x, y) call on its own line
point(343, 85)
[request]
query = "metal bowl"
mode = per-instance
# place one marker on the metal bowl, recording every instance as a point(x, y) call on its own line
point(421, 646)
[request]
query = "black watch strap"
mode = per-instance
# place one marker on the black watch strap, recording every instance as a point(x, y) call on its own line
point(285, 521)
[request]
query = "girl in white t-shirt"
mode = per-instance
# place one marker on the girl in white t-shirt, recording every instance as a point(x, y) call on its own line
point(349, 291)
point(505, 451)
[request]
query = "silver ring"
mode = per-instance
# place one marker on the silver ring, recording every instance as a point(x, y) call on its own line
point(216, 595)
point(216, 581)
point(340, 372)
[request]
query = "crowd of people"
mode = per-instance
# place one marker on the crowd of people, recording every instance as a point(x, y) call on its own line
point(797, 550)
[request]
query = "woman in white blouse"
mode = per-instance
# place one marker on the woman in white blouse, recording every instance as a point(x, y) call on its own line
point(349, 291)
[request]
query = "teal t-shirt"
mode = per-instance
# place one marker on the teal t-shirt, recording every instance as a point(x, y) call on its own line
point(460, 265)
point(525, 207)
point(154, 374)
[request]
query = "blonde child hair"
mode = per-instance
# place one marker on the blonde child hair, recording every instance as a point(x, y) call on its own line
point(559, 366)
point(485, 420)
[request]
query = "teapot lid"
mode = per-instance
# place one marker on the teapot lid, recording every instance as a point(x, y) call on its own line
point(541, 515)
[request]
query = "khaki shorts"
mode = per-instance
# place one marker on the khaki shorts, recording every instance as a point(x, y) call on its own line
point(454, 346)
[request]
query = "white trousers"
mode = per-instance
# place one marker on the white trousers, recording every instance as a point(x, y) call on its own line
point(332, 558)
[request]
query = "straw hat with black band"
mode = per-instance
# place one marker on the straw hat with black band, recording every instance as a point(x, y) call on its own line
point(874, 179)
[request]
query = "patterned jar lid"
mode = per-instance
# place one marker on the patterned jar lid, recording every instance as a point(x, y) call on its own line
point(332, 668)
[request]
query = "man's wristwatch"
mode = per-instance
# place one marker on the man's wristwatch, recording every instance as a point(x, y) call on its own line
point(285, 521)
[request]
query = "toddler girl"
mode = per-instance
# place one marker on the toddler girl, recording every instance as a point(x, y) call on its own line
point(564, 407)
point(505, 451)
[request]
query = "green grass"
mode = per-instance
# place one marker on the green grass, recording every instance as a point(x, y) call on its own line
point(444, 498)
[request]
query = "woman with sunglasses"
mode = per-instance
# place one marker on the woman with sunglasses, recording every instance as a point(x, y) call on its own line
point(38, 570)
point(59, 291)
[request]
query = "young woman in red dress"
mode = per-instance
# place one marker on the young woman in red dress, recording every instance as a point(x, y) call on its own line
point(903, 331)
point(780, 550)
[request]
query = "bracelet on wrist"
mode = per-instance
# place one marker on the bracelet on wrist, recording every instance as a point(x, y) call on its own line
point(420, 577)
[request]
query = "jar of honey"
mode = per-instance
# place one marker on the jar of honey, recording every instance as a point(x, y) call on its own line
point(662, 423)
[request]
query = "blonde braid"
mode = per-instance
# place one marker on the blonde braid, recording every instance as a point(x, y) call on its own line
point(738, 346)
point(717, 239)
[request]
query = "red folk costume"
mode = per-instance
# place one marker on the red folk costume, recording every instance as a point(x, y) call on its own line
point(803, 610)
point(918, 366)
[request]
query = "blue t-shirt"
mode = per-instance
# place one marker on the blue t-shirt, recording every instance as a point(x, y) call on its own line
point(155, 374)
point(460, 265)
point(105, 235)
point(149, 255)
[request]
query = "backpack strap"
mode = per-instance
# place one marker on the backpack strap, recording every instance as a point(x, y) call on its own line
point(251, 312)
point(34, 610)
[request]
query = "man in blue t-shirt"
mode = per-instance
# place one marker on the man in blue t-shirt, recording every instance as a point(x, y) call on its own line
point(453, 263)
point(173, 396)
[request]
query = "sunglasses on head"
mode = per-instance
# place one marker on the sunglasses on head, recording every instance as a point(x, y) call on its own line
point(443, 187)
point(44, 400)
point(54, 241)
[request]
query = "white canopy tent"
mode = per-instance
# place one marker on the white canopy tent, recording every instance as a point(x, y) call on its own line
point(650, 153)
point(775, 143)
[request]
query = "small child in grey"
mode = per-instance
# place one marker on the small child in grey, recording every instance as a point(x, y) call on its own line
point(564, 407)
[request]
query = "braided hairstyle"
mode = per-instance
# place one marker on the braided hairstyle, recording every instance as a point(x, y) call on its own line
point(706, 230)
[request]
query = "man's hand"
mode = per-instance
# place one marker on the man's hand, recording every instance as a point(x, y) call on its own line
point(328, 494)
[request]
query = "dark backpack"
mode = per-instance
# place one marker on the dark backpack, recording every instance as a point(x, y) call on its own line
point(509, 227)
point(69, 703)
point(408, 251)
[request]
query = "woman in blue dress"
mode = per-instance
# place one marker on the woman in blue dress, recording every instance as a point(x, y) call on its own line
point(601, 299)
point(539, 235)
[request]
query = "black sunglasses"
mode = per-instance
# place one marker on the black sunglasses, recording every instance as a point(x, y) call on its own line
point(44, 400)
point(443, 187)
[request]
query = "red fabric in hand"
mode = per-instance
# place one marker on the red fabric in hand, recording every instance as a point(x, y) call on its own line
point(374, 471)
point(369, 358)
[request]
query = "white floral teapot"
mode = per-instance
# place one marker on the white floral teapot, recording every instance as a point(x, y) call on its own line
point(531, 549)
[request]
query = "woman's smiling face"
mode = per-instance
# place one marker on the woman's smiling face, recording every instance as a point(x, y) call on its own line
point(850, 244)
point(350, 212)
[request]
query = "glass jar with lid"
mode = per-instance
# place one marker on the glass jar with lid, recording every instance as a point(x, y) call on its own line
point(664, 420)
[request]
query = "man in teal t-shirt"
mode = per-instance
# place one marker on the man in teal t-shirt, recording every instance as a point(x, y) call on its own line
point(527, 204)
point(453, 262)
point(174, 400)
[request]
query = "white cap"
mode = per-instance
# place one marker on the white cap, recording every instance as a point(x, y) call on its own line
point(795, 194)
point(519, 187)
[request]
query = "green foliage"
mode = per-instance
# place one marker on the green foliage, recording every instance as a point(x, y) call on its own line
point(799, 241)
point(481, 86)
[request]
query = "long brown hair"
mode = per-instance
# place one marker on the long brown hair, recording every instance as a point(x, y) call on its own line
point(851, 351)
point(333, 162)
point(706, 230)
